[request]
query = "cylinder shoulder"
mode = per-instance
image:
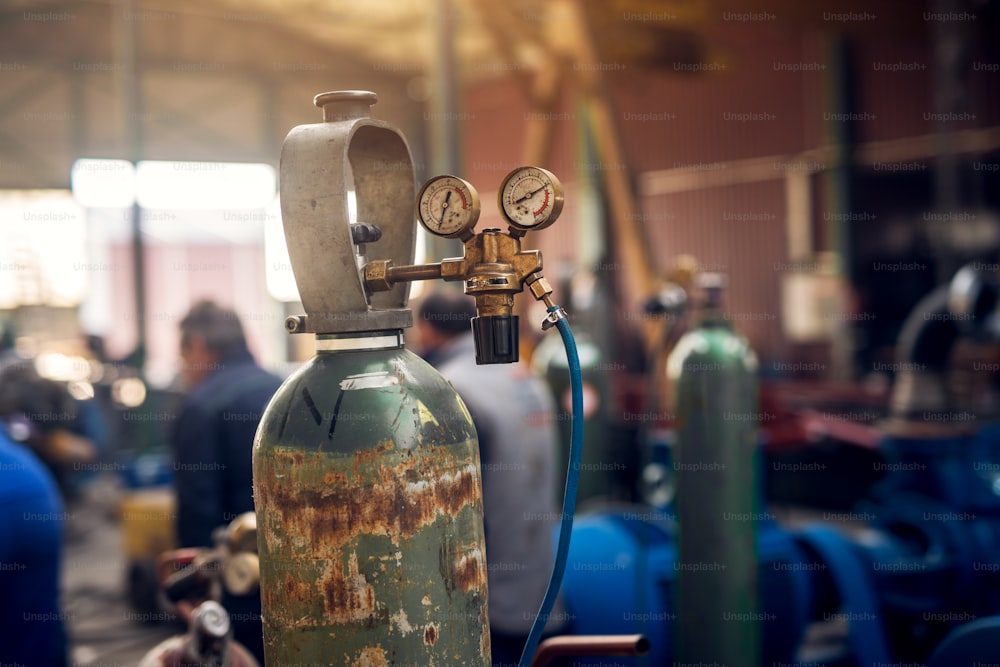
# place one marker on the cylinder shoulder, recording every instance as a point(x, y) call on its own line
point(712, 349)
point(348, 401)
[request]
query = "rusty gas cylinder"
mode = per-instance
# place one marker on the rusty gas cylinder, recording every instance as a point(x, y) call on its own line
point(369, 507)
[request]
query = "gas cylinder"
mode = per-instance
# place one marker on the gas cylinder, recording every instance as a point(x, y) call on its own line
point(549, 360)
point(712, 376)
point(607, 471)
point(366, 465)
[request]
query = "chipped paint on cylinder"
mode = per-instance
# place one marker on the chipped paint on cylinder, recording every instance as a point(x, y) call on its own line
point(370, 528)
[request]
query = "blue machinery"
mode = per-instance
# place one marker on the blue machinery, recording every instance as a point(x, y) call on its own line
point(917, 582)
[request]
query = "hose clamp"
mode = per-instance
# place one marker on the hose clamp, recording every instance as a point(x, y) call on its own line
point(553, 318)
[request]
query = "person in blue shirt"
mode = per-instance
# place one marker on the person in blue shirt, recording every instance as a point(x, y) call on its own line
point(32, 628)
point(514, 415)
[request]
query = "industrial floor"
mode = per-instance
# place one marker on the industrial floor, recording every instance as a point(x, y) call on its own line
point(103, 629)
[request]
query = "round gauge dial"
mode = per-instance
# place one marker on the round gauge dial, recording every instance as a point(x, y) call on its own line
point(448, 206)
point(531, 198)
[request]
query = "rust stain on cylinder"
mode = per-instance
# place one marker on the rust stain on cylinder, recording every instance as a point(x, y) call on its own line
point(469, 572)
point(334, 478)
point(397, 500)
point(430, 635)
point(372, 657)
point(296, 589)
point(347, 597)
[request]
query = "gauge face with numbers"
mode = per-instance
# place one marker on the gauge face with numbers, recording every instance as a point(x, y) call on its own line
point(530, 198)
point(448, 206)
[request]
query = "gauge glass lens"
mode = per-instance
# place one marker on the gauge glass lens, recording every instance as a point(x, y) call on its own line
point(448, 206)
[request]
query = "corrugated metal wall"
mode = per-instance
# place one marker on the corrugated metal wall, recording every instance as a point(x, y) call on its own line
point(760, 95)
point(736, 230)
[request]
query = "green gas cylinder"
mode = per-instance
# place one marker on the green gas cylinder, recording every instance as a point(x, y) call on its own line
point(712, 375)
point(366, 466)
point(370, 514)
point(599, 466)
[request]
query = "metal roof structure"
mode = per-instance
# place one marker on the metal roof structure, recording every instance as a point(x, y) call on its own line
point(226, 79)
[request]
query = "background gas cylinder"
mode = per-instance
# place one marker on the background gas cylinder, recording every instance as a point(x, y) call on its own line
point(714, 394)
point(366, 466)
point(549, 361)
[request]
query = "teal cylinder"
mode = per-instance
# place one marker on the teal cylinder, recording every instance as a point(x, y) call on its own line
point(599, 467)
point(368, 494)
point(712, 374)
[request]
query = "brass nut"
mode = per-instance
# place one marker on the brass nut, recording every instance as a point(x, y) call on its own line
point(377, 275)
point(540, 288)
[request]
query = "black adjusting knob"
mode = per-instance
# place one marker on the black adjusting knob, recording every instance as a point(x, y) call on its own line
point(496, 339)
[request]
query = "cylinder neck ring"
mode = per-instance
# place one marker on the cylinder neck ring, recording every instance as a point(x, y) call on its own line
point(361, 340)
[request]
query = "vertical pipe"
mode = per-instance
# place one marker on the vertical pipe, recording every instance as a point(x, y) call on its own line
point(271, 145)
point(444, 116)
point(591, 236)
point(798, 215)
point(595, 253)
point(78, 120)
point(950, 40)
point(131, 87)
point(839, 182)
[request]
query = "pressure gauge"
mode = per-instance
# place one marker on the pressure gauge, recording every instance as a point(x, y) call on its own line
point(448, 206)
point(530, 198)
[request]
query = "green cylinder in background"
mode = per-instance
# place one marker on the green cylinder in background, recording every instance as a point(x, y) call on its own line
point(369, 510)
point(712, 373)
point(599, 467)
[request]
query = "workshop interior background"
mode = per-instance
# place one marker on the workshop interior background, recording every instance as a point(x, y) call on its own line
point(836, 161)
point(777, 143)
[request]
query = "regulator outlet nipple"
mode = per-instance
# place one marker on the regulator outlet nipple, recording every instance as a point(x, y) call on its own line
point(542, 291)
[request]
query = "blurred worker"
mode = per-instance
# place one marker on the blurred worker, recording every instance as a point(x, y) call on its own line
point(42, 415)
point(32, 631)
point(514, 417)
point(212, 440)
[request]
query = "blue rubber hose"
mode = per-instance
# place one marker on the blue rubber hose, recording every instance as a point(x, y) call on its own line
point(569, 495)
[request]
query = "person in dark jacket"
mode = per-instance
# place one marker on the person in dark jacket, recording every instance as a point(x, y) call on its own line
point(212, 440)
